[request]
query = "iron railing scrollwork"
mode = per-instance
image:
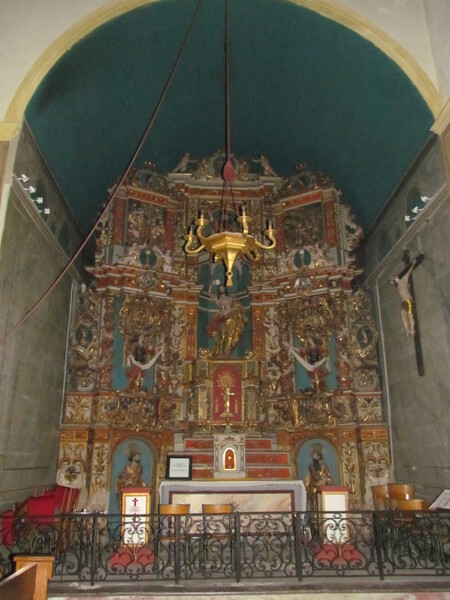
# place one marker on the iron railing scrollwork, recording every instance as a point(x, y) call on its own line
point(95, 548)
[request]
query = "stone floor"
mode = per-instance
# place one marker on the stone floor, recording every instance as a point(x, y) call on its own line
point(278, 596)
point(359, 588)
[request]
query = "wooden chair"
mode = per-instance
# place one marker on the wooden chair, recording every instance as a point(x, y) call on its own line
point(174, 509)
point(217, 509)
point(399, 490)
point(405, 517)
point(414, 504)
point(218, 531)
point(172, 531)
point(379, 493)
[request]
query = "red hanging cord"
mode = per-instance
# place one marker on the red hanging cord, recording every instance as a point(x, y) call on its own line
point(228, 172)
point(118, 185)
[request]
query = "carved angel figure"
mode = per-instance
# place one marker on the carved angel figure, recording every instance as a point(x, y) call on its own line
point(353, 232)
point(183, 164)
point(165, 259)
point(267, 169)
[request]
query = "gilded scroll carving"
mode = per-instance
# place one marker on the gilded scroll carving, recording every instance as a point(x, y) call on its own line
point(78, 408)
point(364, 337)
point(342, 334)
point(84, 342)
point(105, 360)
point(99, 466)
point(376, 459)
point(72, 459)
point(369, 408)
point(350, 471)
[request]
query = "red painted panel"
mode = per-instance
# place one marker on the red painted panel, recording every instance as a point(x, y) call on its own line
point(119, 220)
point(227, 377)
point(270, 459)
point(202, 459)
point(330, 223)
point(200, 444)
point(262, 443)
point(263, 473)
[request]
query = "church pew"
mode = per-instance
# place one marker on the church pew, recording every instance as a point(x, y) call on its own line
point(20, 585)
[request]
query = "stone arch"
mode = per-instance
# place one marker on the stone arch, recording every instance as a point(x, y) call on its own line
point(327, 9)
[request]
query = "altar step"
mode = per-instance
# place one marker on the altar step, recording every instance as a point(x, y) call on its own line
point(263, 460)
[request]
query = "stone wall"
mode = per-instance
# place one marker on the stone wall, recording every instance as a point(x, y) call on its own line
point(32, 356)
point(417, 406)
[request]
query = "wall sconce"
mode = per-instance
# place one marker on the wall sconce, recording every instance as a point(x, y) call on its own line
point(417, 208)
point(31, 190)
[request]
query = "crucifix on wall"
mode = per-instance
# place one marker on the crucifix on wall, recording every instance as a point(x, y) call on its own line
point(405, 289)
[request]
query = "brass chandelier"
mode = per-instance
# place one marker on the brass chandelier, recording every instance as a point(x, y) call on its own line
point(225, 245)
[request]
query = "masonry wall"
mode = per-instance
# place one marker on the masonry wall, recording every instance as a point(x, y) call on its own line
point(31, 358)
point(417, 405)
point(35, 248)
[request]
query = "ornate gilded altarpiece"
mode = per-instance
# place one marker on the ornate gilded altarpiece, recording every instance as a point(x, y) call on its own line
point(161, 351)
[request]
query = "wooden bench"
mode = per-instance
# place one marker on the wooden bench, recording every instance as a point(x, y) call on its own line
point(20, 585)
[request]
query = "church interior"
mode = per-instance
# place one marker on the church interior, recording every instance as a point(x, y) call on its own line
point(224, 244)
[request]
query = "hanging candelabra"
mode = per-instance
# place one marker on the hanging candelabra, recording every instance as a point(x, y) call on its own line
point(225, 245)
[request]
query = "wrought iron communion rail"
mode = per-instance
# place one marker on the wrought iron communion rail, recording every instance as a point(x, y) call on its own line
point(95, 547)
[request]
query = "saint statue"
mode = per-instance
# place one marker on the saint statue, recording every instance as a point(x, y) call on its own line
point(139, 362)
point(227, 326)
point(318, 476)
point(131, 474)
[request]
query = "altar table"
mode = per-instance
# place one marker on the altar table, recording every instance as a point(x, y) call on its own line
point(245, 496)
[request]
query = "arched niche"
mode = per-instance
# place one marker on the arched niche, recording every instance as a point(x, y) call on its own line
point(330, 458)
point(120, 459)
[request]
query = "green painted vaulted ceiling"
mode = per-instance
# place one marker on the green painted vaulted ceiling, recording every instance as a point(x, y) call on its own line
point(303, 88)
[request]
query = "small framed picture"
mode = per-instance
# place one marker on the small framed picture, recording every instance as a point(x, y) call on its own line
point(179, 467)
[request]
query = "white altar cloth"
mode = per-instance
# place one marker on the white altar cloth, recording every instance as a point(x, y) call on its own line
point(246, 496)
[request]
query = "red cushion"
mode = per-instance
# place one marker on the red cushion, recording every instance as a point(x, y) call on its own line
point(8, 528)
point(41, 505)
point(65, 498)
